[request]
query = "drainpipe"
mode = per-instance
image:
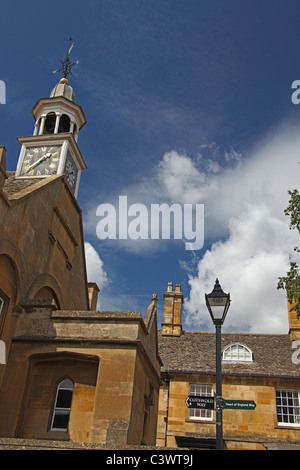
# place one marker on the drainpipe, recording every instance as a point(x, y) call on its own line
point(167, 379)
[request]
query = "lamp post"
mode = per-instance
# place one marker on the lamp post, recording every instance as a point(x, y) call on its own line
point(218, 303)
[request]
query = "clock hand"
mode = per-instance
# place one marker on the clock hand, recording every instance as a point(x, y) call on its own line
point(31, 167)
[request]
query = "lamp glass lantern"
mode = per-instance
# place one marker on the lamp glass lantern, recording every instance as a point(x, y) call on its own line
point(217, 303)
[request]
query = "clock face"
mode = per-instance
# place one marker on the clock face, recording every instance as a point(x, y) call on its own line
point(70, 171)
point(41, 161)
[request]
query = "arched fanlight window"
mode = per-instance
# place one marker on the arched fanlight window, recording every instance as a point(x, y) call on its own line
point(62, 406)
point(237, 352)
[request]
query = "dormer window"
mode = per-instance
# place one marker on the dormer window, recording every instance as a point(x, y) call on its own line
point(237, 352)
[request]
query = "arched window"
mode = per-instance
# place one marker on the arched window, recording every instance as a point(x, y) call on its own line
point(4, 301)
point(237, 352)
point(47, 293)
point(1, 305)
point(64, 123)
point(50, 123)
point(8, 290)
point(62, 406)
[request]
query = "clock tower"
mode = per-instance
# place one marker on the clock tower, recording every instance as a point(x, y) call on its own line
point(52, 149)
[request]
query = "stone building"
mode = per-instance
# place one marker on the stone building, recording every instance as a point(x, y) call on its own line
point(69, 372)
point(263, 368)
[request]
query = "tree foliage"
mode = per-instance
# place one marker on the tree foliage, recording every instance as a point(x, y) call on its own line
point(291, 282)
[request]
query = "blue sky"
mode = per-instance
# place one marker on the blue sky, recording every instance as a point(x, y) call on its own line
point(186, 102)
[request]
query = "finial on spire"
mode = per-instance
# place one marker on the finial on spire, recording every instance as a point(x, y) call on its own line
point(66, 64)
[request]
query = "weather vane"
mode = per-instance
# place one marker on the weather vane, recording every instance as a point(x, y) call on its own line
point(66, 64)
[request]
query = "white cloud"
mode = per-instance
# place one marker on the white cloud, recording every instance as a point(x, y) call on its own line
point(247, 265)
point(94, 266)
point(181, 181)
point(107, 298)
point(265, 175)
point(245, 226)
point(244, 207)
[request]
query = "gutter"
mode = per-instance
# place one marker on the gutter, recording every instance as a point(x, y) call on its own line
point(232, 374)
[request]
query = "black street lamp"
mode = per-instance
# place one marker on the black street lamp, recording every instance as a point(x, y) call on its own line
point(218, 303)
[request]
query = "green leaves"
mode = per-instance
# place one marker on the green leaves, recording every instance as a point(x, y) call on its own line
point(291, 282)
point(293, 210)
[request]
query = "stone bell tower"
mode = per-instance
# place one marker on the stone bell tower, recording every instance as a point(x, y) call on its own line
point(53, 149)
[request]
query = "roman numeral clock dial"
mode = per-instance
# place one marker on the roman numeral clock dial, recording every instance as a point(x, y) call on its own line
point(41, 161)
point(70, 171)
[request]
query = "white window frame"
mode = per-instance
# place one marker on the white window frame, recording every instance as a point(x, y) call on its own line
point(65, 384)
point(203, 390)
point(287, 405)
point(244, 354)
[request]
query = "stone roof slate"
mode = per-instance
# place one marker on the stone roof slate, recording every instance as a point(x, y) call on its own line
point(15, 188)
point(195, 352)
point(13, 185)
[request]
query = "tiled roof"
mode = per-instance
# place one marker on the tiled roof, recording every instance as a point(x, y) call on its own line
point(15, 188)
point(195, 352)
point(13, 185)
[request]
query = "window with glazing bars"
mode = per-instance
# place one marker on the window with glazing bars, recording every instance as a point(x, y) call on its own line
point(287, 407)
point(237, 352)
point(200, 391)
point(62, 406)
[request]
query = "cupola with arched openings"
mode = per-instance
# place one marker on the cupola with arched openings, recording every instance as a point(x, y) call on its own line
point(59, 113)
point(52, 149)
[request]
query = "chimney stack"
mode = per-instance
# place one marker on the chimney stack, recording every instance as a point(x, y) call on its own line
point(294, 322)
point(173, 300)
point(93, 291)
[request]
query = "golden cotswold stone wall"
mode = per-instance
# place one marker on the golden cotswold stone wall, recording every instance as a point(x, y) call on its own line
point(112, 359)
